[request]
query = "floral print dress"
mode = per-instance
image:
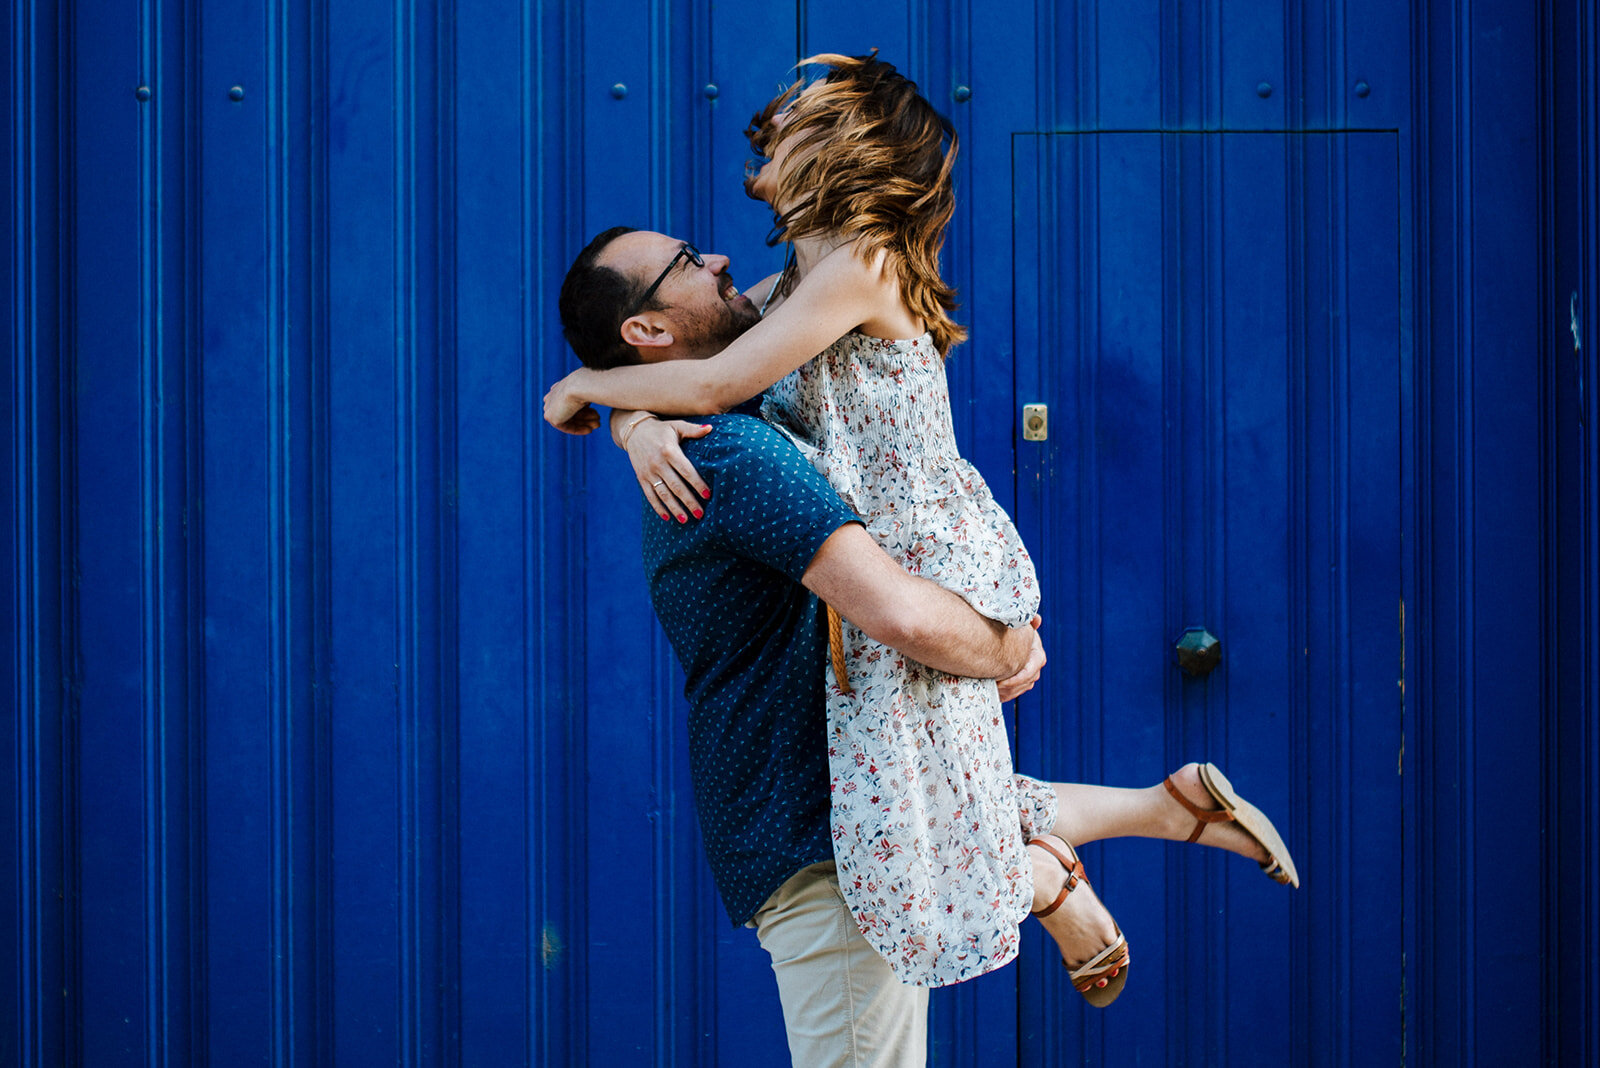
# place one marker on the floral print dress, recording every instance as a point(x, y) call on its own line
point(929, 821)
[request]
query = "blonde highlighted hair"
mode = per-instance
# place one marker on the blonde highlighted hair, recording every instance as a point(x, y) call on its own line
point(869, 159)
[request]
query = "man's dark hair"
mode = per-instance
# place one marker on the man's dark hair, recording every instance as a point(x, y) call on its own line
point(592, 305)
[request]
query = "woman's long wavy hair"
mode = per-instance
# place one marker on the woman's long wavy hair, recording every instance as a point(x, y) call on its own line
point(869, 159)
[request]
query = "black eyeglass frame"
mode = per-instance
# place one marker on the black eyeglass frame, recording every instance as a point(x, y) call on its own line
point(684, 249)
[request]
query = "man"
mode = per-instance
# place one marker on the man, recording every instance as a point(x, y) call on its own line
point(731, 591)
point(737, 593)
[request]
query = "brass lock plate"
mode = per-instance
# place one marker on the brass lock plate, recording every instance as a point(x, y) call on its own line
point(1035, 422)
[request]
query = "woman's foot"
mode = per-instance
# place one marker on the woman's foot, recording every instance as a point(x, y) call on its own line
point(1228, 820)
point(1073, 915)
point(1224, 834)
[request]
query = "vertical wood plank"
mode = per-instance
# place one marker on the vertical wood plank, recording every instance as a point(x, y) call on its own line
point(1255, 85)
point(557, 955)
point(1125, 60)
point(1572, 248)
point(35, 472)
point(1132, 495)
point(1370, 350)
point(115, 359)
point(1500, 664)
point(366, 339)
point(1258, 529)
point(491, 653)
point(241, 532)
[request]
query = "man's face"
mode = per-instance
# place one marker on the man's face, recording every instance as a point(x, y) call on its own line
point(704, 309)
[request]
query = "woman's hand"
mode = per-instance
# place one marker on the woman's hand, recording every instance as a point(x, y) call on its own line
point(669, 481)
point(567, 411)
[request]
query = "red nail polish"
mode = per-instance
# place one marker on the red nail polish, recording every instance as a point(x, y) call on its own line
point(683, 519)
point(663, 519)
point(698, 513)
point(706, 494)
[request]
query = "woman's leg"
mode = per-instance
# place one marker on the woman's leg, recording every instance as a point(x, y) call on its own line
point(1087, 813)
point(1081, 927)
point(1083, 813)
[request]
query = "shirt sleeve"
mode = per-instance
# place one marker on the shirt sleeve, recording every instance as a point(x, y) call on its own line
point(768, 504)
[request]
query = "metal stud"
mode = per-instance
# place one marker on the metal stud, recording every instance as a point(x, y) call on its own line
point(1362, 89)
point(142, 93)
point(619, 91)
point(1264, 90)
point(236, 93)
point(711, 90)
point(963, 94)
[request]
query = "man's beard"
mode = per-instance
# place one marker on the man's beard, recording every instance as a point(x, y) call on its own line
point(710, 332)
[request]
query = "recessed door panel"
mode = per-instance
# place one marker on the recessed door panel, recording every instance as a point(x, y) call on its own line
point(1213, 321)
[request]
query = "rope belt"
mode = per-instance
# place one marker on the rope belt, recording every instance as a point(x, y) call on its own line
point(836, 649)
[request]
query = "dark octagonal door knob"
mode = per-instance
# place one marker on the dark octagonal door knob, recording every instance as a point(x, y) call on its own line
point(1198, 652)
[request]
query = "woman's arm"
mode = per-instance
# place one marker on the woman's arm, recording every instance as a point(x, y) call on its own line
point(837, 295)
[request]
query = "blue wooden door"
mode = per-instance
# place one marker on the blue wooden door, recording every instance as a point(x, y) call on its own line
point(338, 727)
point(1213, 320)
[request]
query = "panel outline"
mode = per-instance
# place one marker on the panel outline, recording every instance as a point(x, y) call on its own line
point(1405, 433)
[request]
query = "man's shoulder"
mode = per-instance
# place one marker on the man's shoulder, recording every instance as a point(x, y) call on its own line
point(762, 486)
point(741, 426)
point(738, 438)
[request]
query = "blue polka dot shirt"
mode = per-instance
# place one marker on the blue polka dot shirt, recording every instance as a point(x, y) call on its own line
point(752, 642)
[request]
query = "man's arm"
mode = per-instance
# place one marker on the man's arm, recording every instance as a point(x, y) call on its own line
point(925, 621)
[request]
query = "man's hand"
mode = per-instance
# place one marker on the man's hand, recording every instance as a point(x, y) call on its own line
point(1023, 680)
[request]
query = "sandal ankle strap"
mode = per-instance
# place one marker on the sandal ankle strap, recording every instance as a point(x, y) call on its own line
point(1074, 873)
point(1201, 816)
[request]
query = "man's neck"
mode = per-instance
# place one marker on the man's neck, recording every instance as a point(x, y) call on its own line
point(672, 352)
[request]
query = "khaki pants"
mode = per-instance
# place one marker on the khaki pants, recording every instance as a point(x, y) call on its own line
point(841, 1003)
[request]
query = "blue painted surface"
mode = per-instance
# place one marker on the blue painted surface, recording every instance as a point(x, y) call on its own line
point(1225, 458)
point(337, 726)
point(1572, 539)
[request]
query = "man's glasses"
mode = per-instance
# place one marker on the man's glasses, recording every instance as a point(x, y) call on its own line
point(686, 250)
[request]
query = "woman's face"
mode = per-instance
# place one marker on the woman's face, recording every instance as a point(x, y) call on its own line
point(763, 185)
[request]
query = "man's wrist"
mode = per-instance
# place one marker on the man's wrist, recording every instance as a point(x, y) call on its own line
point(1017, 648)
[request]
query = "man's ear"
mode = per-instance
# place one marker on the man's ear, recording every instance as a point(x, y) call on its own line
point(649, 333)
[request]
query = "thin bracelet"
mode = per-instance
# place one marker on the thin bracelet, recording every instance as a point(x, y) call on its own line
point(627, 431)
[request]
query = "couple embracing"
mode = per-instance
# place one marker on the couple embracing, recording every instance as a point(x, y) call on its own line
point(849, 603)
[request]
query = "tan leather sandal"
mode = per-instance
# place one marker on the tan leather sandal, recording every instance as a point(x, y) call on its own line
point(1111, 963)
point(1279, 865)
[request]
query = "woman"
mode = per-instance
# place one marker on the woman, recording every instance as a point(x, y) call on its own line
point(929, 820)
